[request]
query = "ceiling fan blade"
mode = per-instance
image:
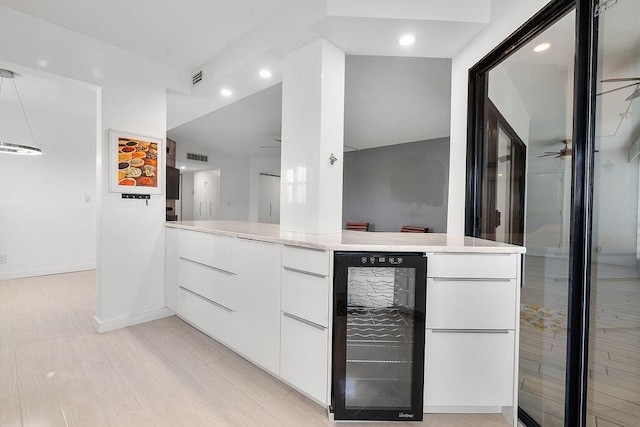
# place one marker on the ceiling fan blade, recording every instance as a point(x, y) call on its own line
point(555, 153)
point(618, 88)
point(634, 95)
point(624, 79)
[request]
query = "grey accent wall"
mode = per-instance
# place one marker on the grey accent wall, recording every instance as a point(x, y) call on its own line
point(403, 184)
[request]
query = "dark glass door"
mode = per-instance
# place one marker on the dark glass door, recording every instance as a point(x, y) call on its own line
point(379, 336)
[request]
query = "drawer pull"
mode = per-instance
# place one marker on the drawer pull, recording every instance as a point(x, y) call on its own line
point(217, 304)
point(208, 266)
point(305, 321)
point(309, 273)
point(468, 279)
point(471, 331)
point(305, 248)
point(247, 239)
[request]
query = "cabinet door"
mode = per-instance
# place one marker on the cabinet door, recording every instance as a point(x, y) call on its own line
point(213, 319)
point(211, 194)
point(198, 195)
point(269, 201)
point(258, 302)
point(469, 368)
point(304, 359)
point(171, 268)
point(206, 194)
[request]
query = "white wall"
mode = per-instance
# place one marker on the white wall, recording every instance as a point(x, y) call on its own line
point(130, 276)
point(505, 21)
point(132, 97)
point(234, 181)
point(46, 226)
point(505, 97)
point(258, 165)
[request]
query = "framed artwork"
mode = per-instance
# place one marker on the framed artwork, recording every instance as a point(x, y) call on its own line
point(136, 163)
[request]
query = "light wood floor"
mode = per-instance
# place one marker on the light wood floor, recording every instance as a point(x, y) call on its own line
point(56, 371)
point(614, 351)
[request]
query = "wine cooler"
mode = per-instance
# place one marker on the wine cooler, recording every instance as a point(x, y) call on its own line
point(378, 336)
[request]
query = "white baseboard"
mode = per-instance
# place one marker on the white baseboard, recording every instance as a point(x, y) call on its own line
point(102, 326)
point(45, 271)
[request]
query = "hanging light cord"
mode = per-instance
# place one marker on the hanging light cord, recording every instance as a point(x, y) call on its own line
point(33, 138)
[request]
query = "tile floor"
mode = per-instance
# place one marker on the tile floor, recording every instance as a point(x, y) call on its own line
point(56, 371)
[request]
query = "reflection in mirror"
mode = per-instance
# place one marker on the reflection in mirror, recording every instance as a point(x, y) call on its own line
point(396, 141)
point(528, 115)
point(396, 137)
point(614, 324)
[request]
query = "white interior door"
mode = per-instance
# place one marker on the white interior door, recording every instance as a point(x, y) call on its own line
point(545, 204)
point(206, 194)
point(269, 202)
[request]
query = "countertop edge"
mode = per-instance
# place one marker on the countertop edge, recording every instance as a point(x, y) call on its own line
point(368, 247)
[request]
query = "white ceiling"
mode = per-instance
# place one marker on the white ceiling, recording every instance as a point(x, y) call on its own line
point(39, 93)
point(185, 33)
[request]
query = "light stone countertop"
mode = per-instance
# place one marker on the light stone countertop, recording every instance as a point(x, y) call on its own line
point(349, 240)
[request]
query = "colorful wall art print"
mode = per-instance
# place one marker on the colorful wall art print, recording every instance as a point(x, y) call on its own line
point(135, 163)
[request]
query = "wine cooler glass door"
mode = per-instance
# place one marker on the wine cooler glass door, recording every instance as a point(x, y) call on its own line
point(381, 324)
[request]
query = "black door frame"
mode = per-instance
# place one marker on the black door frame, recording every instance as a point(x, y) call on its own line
point(581, 179)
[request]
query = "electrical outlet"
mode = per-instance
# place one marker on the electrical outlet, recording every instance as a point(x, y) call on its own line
point(598, 249)
point(3, 258)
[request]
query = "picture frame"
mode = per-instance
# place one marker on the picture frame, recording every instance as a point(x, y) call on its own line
point(136, 163)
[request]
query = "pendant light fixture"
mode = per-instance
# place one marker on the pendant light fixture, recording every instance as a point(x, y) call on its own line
point(13, 147)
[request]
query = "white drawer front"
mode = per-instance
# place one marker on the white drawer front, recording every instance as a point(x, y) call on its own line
point(469, 368)
point(216, 285)
point(477, 304)
point(312, 260)
point(304, 358)
point(210, 249)
point(305, 295)
point(211, 319)
point(469, 266)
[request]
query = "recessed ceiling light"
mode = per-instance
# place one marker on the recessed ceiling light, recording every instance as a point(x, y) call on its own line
point(407, 40)
point(265, 74)
point(542, 47)
point(182, 167)
point(226, 92)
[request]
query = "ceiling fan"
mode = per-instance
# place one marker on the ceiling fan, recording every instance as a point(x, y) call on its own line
point(566, 151)
point(635, 93)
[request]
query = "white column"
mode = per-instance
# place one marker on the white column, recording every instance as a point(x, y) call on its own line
point(312, 130)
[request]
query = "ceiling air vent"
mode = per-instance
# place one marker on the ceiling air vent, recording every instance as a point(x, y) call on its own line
point(197, 77)
point(197, 157)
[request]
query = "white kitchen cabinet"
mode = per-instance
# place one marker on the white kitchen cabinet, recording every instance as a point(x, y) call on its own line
point(471, 304)
point(213, 319)
point(469, 368)
point(471, 333)
point(306, 259)
point(258, 299)
point(473, 265)
point(271, 303)
point(306, 295)
point(206, 194)
point(304, 356)
point(211, 283)
point(209, 249)
point(171, 295)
